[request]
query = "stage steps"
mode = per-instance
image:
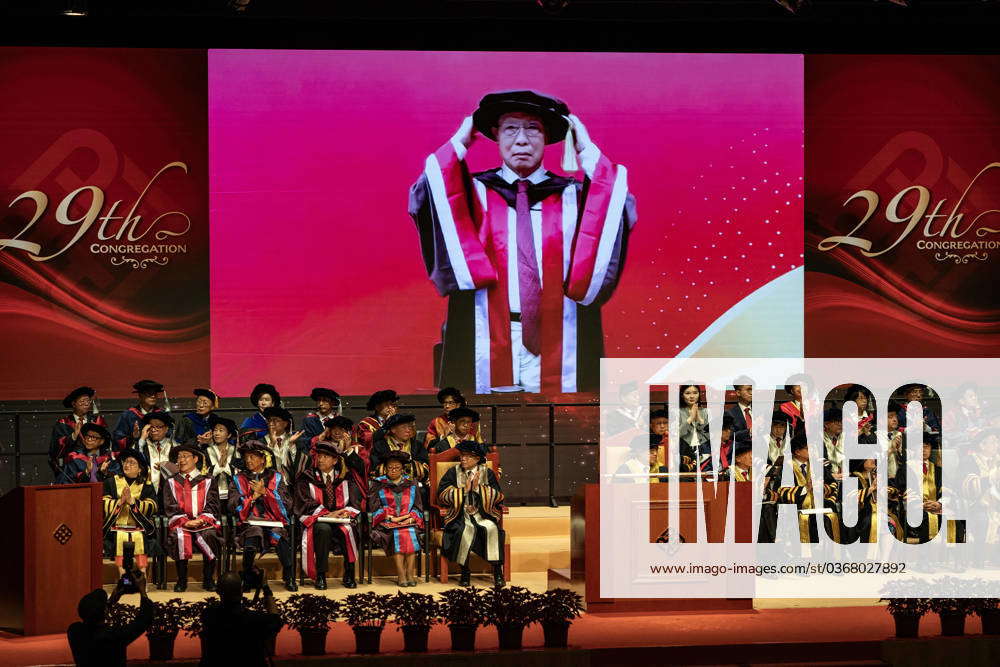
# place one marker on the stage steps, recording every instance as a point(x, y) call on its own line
point(539, 541)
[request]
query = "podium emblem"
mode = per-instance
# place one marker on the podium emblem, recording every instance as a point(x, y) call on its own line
point(63, 534)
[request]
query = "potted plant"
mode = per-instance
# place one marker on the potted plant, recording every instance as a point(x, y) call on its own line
point(118, 615)
point(906, 609)
point(366, 613)
point(168, 617)
point(310, 615)
point(989, 613)
point(462, 611)
point(558, 608)
point(415, 613)
point(510, 609)
point(952, 611)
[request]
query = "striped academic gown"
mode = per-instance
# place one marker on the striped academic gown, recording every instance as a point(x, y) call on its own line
point(62, 442)
point(311, 503)
point(184, 500)
point(465, 222)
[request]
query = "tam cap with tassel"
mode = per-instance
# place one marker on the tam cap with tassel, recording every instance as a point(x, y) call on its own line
point(569, 161)
point(552, 111)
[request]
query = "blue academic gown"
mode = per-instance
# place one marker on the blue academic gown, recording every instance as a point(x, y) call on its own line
point(255, 421)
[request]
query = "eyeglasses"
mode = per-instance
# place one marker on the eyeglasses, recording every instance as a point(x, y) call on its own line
point(154, 427)
point(92, 436)
point(530, 131)
point(129, 463)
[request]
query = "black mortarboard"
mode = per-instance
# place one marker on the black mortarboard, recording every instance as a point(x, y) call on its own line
point(450, 391)
point(397, 419)
point(383, 396)
point(339, 421)
point(327, 447)
point(215, 420)
point(133, 454)
point(209, 394)
point(322, 392)
point(147, 387)
point(96, 428)
point(262, 389)
point(276, 411)
point(550, 110)
point(162, 416)
point(255, 447)
point(458, 413)
point(187, 447)
point(833, 415)
point(77, 393)
point(472, 447)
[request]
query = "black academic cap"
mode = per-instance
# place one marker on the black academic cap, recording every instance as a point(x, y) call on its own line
point(77, 393)
point(187, 447)
point(383, 396)
point(472, 447)
point(264, 388)
point(552, 111)
point(162, 416)
point(458, 413)
point(322, 392)
point(254, 447)
point(398, 455)
point(339, 421)
point(95, 428)
point(327, 447)
point(397, 419)
point(275, 411)
point(833, 415)
point(209, 394)
point(453, 392)
point(147, 387)
point(133, 454)
point(230, 426)
point(657, 414)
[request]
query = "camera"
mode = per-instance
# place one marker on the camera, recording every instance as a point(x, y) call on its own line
point(127, 581)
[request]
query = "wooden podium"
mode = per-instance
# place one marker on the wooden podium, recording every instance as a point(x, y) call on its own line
point(585, 550)
point(52, 555)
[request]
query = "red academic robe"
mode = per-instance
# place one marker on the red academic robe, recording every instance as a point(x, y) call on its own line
point(464, 220)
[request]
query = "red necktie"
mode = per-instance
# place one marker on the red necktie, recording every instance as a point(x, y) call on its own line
point(530, 288)
point(746, 413)
point(925, 467)
point(328, 495)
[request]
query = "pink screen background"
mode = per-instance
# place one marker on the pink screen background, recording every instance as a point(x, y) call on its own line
point(316, 273)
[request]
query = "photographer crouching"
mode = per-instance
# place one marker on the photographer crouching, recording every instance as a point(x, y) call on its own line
point(233, 619)
point(92, 640)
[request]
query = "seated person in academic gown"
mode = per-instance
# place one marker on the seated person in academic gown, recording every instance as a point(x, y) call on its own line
point(328, 488)
point(931, 492)
point(340, 431)
point(462, 424)
point(450, 399)
point(659, 425)
point(727, 443)
point(195, 425)
point(642, 460)
point(802, 495)
point(866, 528)
point(932, 422)
point(155, 444)
point(129, 505)
point(400, 434)
point(742, 468)
point(127, 428)
point(327, 407)
point(980, 474)
point(397, 515)
point(776, 438)
point(693, 429)
point(470, 495)
point(222, 459)
point(66, 431)
point(263, 496)
point(285, 455)
point(382, 405)
point(793, 408)
point(262, 397)
point(92, 461)
point(191, 505)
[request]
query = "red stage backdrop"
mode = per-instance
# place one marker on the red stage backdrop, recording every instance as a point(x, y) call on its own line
point(902, 187)
point(317, 276)
point(103, 234)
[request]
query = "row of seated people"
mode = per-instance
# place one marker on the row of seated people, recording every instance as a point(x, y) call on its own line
point(132, 430)
point(977, 478)
point(194, 485)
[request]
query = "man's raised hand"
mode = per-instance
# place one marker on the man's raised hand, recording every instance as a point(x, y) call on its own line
point(466, 132)
point(580, 132)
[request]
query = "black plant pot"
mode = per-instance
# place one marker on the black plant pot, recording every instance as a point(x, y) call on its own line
point(415, 638)
point(161, 647)
point(313, 641)
point(510, 636)
point(367, 639)
point(907, 625)
point(556, 633)
point(991, 621)
point(463, 637)
point(952, 623)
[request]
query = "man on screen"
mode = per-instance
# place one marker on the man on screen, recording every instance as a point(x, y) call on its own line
point(525, 256)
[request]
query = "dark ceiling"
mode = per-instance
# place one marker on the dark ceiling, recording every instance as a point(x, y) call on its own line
point(966, 26)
